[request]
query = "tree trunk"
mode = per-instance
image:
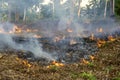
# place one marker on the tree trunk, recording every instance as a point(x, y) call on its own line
point(16, 17)
point(24, 17)
point(79, 9)
point(112, 7)
point(105, 10)
point(53, 8)
point(9, 12)
point(72, 9)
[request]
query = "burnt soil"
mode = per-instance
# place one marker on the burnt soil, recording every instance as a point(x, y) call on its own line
point(104, 66)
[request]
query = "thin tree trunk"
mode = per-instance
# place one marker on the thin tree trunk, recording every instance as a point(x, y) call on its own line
point(1, 19)
point(24, 17)
point(17, 15)
point(39, 11)
point(79, 10)
point(112, 7)
point(53, 6)
point(9, 12)
point(105, 10)
point(72, 9)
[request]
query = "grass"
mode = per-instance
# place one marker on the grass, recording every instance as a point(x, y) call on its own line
point(88, 76)
point(105, 66)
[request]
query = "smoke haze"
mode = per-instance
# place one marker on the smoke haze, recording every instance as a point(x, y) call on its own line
point(31, 44)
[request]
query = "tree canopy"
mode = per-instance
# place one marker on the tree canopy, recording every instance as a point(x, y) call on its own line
point(31, 10)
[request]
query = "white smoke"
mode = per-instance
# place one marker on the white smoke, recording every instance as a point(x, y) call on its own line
point(31, 44)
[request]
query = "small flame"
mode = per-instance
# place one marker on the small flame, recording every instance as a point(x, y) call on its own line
point(37, 36)
point(17, 30)
point(72, 42)
point(28, 30)
point(100, 42)
point(35, 30)
point(10, 32)
point(24, 62)
point(100, 30)
point(1, 31)
point(110, 38)
point(85, 61)
point(69, 30)
point(57, 64)
point(92, 36)
point(54, 63)
point(92, 57)
point(57, 38)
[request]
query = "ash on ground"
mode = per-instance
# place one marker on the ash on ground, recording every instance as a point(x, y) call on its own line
point(62, 50)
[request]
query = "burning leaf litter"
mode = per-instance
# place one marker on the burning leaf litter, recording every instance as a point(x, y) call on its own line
point(24, 62)
point(59, 48)
point(68, 50)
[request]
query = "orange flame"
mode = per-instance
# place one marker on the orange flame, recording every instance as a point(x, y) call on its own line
point(69, 30)
point(28, 30)
point(85, 61)
point(99, 30)
point(92, 36)
point(17, 30)
point(57, 38)
point(92, 57)
point(1, 31)
point(24, 62)
point(72, 42)
point(100, 42)
point(37, 36)
point(57, 64)
point(110, 38)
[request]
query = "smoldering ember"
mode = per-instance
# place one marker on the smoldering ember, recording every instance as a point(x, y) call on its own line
point(59, 40)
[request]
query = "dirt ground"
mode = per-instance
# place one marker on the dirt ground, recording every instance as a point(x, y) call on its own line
point(104, 65)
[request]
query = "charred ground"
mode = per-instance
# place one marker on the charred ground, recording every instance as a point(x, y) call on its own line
point(105, 65)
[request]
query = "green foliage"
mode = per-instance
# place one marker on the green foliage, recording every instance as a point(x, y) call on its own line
point(117, 7)
point(94, 10)
point(46, 11)
point(88, 76)
point(91, 64)
point(83, 75)
point(54, 68)
point(74, 76)
point(116, 78)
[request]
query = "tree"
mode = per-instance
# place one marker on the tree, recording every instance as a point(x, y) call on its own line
point(79, 9)
point(117, 7)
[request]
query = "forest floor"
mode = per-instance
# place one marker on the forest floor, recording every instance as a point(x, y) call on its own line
point(105, 65)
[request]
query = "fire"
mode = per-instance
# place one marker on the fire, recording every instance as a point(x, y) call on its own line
point(24, 62)
point(17, 30)
point(37, 36)
point(10, 32)
point(99, 30)
point(72, 42)
point(92, 57)
point(69, 30)
point(110, 38)
point(28, 30)
point(56, 39)
point(85, 61)
point(100, 42)
point(57, 64)
point(1, 31)
point(92, 36)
